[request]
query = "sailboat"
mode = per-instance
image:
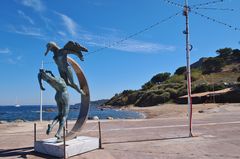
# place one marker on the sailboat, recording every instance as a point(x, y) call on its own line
point(17, 104)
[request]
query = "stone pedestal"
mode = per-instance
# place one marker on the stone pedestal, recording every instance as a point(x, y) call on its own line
point(74, 147)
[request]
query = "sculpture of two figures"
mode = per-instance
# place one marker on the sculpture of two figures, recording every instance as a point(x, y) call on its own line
point(60, 84)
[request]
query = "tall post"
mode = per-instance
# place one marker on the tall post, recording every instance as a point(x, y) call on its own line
point(35, 133)
point(186, 12)
point(41, 99)
point(100, 135)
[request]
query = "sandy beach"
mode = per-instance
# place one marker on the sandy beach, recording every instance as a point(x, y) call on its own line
point(174, 110)
point(163, 134)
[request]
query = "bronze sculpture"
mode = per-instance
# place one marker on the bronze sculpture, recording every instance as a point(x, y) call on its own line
point(61, 98)
point(64, 64)
point(60, 58)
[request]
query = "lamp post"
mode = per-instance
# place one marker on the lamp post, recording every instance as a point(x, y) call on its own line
point(185, 13)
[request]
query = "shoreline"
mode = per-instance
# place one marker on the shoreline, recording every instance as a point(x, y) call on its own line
point(180, 110)
point(153, 112)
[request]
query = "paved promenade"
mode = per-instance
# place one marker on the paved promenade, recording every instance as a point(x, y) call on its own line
point(216, 136)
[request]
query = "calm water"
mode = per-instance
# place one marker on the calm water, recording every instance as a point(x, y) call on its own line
point(31, 113)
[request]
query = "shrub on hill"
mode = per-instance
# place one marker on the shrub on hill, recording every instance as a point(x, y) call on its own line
point(211, 65)
point(172, 92)
point(147, 85)
point(224, 52)
point(176, 79)
point(161, 77)
point(196, 74)
point(238, 79)
point(180, 70)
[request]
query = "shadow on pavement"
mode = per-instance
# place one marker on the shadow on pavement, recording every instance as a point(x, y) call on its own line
point(21, 152)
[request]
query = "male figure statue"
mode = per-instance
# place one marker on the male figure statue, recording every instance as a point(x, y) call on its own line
point(60, 58)
point(61, 97)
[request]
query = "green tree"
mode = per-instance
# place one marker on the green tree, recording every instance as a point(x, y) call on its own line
point(224, 52)
point(212, 65)
point(161, 77)
point(180, 70)
point(147, 85)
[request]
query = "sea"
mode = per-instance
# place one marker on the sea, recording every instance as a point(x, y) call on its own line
point(32, 113)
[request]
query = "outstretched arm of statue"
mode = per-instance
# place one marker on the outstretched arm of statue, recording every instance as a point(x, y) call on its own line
point(49, 78)
point(40, 79)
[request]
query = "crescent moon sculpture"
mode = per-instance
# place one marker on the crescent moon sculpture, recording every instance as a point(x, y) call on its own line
point(85, 100)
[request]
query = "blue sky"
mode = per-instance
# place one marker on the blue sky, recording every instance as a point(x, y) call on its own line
point(27, 25)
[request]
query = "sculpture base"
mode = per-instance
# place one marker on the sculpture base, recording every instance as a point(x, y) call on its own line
point(74, 147)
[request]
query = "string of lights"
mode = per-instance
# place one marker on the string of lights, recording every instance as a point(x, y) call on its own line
point(134, 34)
point(222, 9)
point(174, 3)
point(194, 7)
point(216, 21)
point(207, 3)
point(127, 37)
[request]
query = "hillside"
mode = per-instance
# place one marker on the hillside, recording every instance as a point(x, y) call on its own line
point(94, 103)
point(209, 74)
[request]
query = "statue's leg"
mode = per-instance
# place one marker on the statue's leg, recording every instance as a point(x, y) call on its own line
point(64, 76)
point(61, 125)
point(64, 109)
point(57, 118)
point(71, 82)
point(50, 126)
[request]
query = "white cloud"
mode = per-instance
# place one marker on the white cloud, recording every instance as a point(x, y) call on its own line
point(61, 33)
point(37, 5)
point(24, 16)
point(130, 45)
point(70, 24)
point(5, 51)
point(143, 47)
point(25, 30)
point(14, 60)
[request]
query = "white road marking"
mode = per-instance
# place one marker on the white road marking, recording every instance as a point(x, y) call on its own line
point(138, 128)
point(170, 126)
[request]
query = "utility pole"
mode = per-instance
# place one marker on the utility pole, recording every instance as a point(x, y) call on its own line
point(41, 99)
point(185, 13)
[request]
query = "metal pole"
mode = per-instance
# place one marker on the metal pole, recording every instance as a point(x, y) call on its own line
point(100, 135)
point(186, 11)
point(66, 126)
point(35, 135)
point(41, 99)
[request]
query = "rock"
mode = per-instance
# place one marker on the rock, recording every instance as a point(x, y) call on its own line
point(19, 121)
point(49, 110)
point(110, 118)
point(3, 122)
point(95, 118)
point(201, 111)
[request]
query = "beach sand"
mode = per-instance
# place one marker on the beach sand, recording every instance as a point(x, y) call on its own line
point(163, 134)
point(174, 110)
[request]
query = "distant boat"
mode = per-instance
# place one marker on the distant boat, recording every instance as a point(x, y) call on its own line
point(17, 104)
